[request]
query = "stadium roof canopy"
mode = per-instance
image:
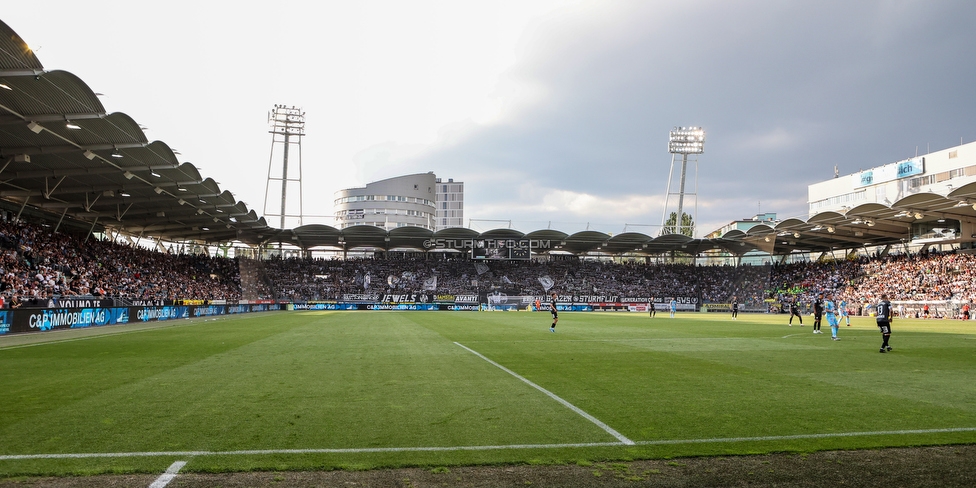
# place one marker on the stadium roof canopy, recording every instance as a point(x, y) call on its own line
point(864, 226)
point(61, 153)
point(64, 159)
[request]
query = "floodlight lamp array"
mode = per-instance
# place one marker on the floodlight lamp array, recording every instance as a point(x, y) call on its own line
point(687, 140)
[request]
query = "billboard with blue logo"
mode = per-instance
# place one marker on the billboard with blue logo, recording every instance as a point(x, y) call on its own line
point(889, 172)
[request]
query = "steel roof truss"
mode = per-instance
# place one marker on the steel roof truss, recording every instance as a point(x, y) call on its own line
point(120, 213)
point(47, 191)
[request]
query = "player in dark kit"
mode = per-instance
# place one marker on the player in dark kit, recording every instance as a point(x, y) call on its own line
point(818, 309)
point(795, 311)
point(650, 307)
point(735, 307)
point(552, 310)
point(883, 315)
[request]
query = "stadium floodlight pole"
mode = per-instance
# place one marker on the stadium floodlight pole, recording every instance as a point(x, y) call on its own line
point(287, 128)
point(683, 141)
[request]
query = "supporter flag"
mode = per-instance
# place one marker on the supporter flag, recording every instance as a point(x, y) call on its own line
point(366, 282)
point(481, 268)
point(546, 282)
point(430, 284)
point(506, 280)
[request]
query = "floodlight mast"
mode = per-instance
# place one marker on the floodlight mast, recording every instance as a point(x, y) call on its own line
point(287, 128)
point(683, 141)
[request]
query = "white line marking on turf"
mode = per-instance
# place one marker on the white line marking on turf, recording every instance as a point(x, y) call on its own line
point(169, 475)
point(552, 395)
point(368, 450)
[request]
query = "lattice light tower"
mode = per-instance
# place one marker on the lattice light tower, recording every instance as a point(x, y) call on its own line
point(287, 129)
point(684, 141)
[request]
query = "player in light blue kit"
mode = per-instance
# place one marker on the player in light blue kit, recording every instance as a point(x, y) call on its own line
point(674, 307)
point(844, 313)
point(832, 319)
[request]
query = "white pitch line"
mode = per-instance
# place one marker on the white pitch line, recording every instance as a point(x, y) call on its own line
point(792, 335)
point(370, 450)
point(552, 395)
point(169, 475)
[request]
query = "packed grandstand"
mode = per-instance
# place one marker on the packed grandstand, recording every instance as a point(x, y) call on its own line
point(41, 268)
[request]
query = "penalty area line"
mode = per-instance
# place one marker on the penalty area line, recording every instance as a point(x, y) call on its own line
point(620, 437)
point(368, 450)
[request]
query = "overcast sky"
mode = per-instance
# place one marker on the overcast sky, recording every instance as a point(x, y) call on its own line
point(552, 113)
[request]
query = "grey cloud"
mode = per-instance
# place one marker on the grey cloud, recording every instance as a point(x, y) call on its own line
point(786, 91)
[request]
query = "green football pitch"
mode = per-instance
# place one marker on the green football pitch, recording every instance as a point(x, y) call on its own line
point(359, 390)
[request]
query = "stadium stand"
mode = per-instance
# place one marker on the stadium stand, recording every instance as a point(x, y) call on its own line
point(38, 265)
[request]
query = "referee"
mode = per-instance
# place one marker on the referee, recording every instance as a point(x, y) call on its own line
point(883, 314)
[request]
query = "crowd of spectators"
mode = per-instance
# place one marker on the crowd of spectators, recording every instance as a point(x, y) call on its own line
point(859, 281)
point(318, 279)
point(938, 276)
point(37, 264)
point(804, 281)
point(930, 276)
